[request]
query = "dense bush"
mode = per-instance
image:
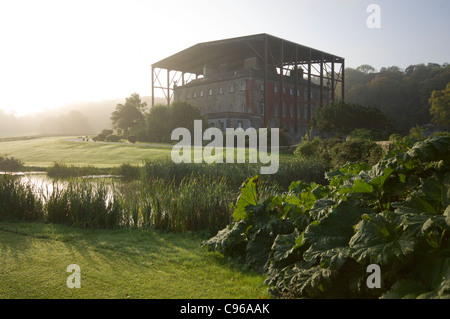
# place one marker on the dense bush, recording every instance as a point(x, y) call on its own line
point(100, 137)
point(338, 152)
point(10, 164)
point(132, 139)
point(113, 138)
point(317, 241)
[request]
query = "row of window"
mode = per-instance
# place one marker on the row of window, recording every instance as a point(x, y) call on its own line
point(242, 87)
point(285, 112)
point(244, 109)
point(276, 89)
point(210, 92)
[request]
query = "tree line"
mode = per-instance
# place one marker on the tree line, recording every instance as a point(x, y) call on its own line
point(155, 125)
point(402, 95)
point(377, 104)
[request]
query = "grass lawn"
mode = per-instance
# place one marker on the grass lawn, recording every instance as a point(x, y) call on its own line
point(115, 264)
point(44, 151)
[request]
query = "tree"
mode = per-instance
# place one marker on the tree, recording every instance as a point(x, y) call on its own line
point(129, 115)
point(341, 118)
point(162, 120)
point(366, 69)
point(440, 106)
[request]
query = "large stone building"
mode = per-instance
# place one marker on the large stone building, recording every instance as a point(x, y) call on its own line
point(254, 81)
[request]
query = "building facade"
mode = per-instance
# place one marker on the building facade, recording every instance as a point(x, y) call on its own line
point(256, 81)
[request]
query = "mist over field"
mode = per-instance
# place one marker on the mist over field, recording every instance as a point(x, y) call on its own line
point(80, 118)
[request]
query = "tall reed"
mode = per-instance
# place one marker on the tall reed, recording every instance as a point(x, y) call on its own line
point(19, 201)
point(83, 203)
point(196, 203)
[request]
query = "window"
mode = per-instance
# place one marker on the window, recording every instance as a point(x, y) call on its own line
point(277, 111)
point(189, 95)
point(284, 110)
point(243, 86)
point(299, 94)
point(201, 93)
point(231, 89)
point(299, 111)
point(275, 89)
point(261, 87)
point(195, 95)
point(220, 90)
point(305, 111)
point(291, 91)
point(261, 108)
point(210, 92)
point(244, 108)
point(291, 109)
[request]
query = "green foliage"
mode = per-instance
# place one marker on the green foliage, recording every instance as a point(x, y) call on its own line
point(316, 241)
point(18, 201)
point(132, 139)
point(400, 94)
point(113, 138)
point(129, 115)
point(10, 164)
point(162, 120)
point(341, 118)
point(338, 152)
point(440, 106)
point(100, 137)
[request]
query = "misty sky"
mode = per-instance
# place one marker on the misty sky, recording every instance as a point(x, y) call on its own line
point(58, 52)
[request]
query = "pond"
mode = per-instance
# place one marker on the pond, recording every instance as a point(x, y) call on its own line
point(44, 185)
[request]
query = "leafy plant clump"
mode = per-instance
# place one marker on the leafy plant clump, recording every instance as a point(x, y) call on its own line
point(317, 241)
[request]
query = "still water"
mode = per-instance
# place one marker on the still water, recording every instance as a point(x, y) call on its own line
point(44, 186)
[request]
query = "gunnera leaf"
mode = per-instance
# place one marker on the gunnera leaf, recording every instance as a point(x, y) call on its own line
point(329, 238)
point(432, 149)
point(379, 239)
point(229, 241)
point(248, 196)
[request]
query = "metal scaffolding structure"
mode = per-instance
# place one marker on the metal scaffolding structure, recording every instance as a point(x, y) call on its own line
point(277, 56)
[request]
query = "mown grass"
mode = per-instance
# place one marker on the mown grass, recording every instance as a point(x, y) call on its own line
point(45, 151)
point(131, 263)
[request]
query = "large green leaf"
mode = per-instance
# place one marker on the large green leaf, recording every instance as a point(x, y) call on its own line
point(230, 240)
point(248, 196)
point(379, 239)
point(285, 248)
point(329, 237)
point(432, 149)
point(429, 279)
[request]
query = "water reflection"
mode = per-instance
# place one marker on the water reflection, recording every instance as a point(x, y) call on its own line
point(44, 186)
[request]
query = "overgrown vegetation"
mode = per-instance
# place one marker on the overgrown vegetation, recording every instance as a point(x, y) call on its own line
point(316, 241)
point(10, 164)
point(338, 152)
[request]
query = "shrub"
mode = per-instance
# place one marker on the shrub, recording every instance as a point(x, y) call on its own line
point(362, 134)
point(10, 164)
point(113, 138)
point(132, 139)
point(338, 152)
point(356, 151)
point(107, 132)
point(100, 137)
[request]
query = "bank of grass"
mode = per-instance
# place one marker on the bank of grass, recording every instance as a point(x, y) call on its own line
point(43, 152)
point(115, 264)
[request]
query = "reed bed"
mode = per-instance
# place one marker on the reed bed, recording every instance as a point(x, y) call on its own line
point(19, 201)
point(159, 194)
